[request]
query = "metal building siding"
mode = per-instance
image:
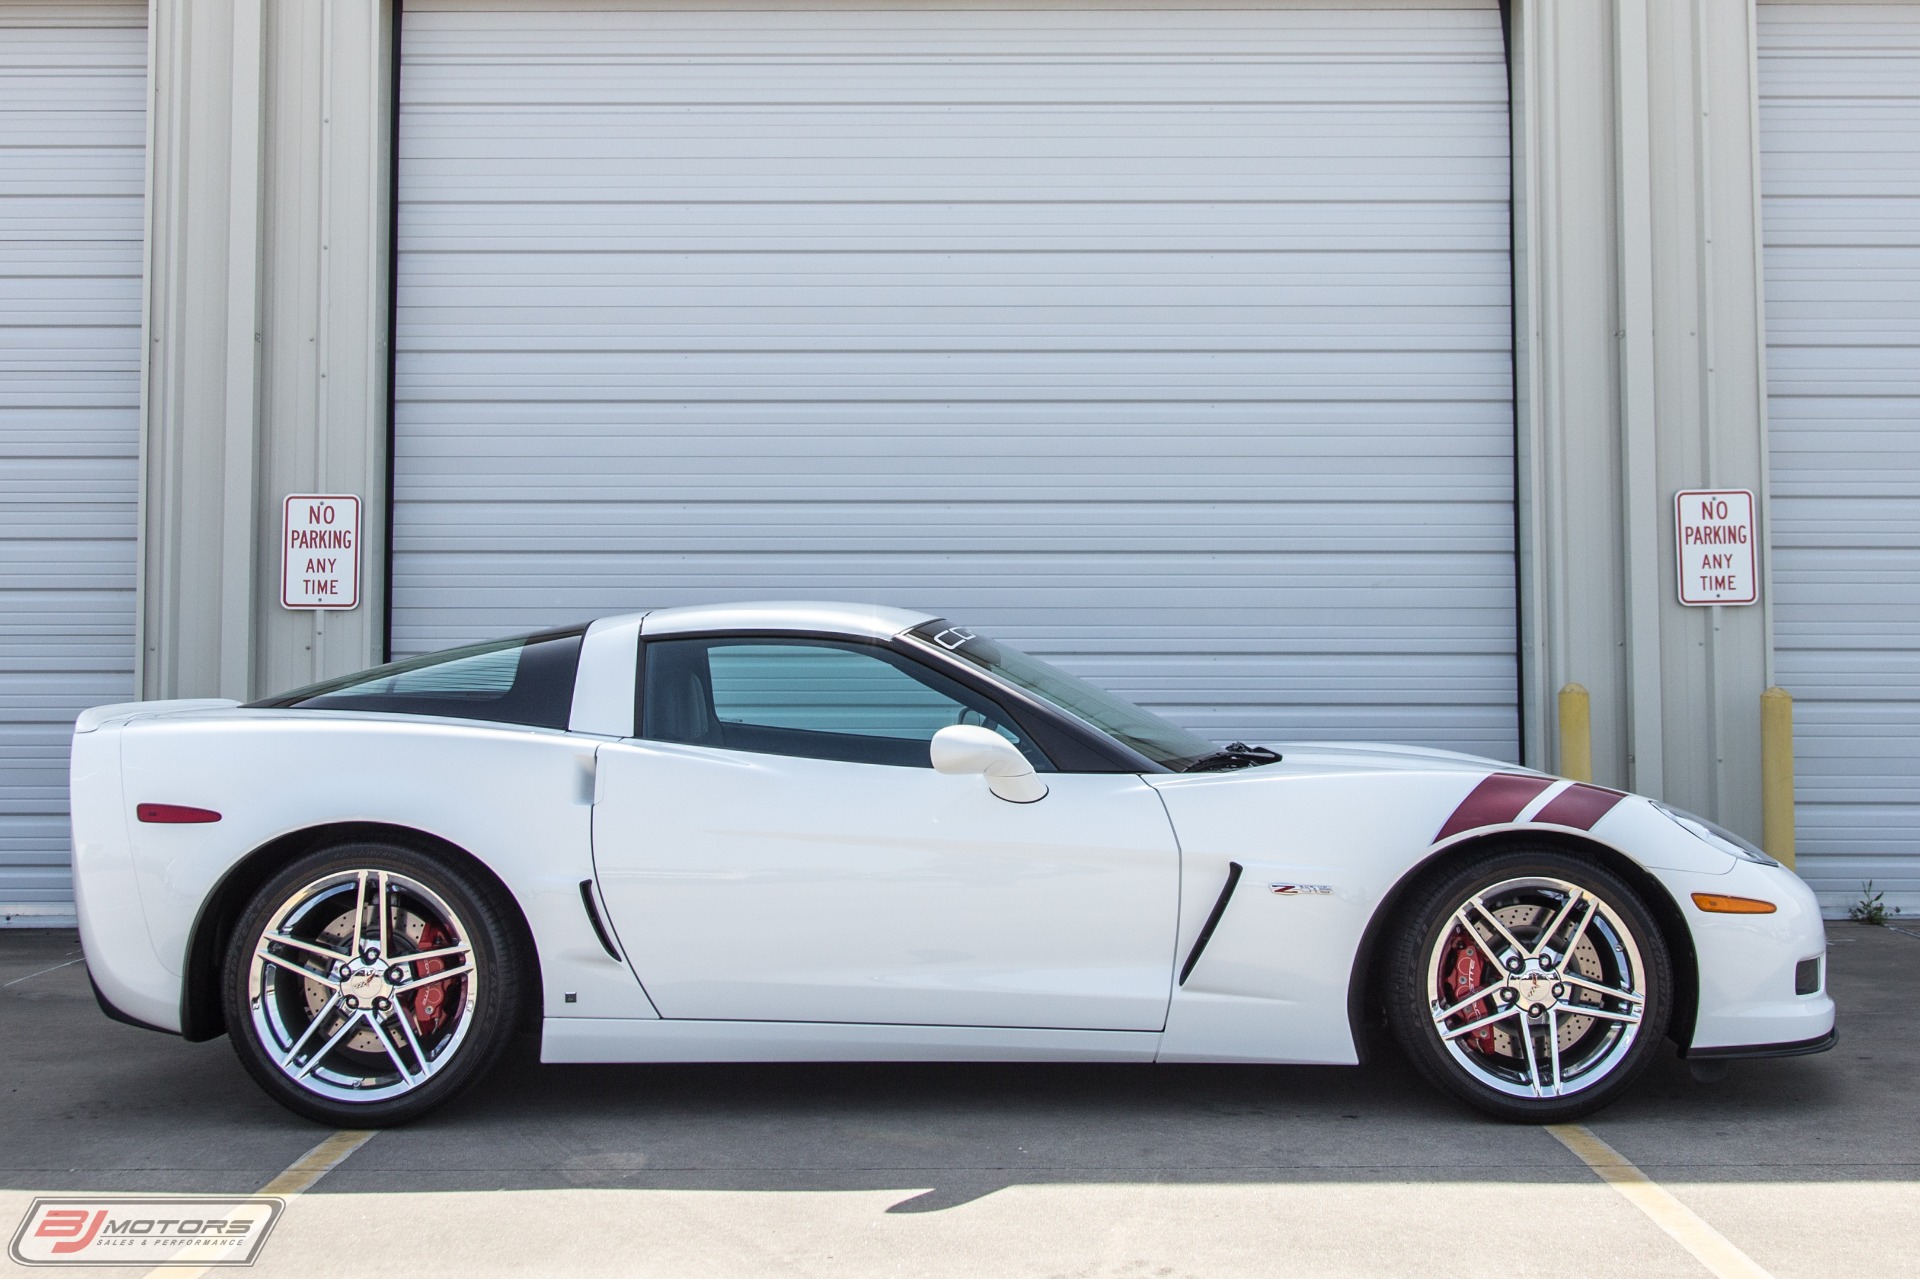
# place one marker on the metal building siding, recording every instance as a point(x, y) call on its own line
point(1840, 148)
point(72, 154)
point(1170, 343)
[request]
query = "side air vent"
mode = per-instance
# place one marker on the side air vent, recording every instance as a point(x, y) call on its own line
point(1213, 921)
point(593, 917)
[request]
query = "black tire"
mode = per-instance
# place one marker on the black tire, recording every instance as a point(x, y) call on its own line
point(455, 1027)
point(1484, 1059)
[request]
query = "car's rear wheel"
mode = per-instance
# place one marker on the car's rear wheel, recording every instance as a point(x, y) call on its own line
point(369, 983)
point(1533, 984)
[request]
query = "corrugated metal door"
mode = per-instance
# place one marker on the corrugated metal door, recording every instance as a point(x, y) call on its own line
point(1840, 151)
point(72, 147)
point(1171, 343)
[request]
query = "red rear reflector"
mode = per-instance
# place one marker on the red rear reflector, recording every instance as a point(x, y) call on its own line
point(178, 814)
point(1718, 904)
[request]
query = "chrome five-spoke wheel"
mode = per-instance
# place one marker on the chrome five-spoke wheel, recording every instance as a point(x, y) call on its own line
point(1537, 989)
point(364, 983)
point(1538, 982)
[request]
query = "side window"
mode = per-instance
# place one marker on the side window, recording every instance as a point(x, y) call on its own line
point(815, 698)
point(517, 681)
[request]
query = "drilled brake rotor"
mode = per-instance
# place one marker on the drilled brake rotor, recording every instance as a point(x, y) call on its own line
point(340, 933)
point(1522, 920)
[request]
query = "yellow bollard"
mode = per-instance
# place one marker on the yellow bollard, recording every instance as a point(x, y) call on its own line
point(1576, 734)
point(1776, 774)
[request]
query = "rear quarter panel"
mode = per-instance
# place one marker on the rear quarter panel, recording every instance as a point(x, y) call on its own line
point(519, 800)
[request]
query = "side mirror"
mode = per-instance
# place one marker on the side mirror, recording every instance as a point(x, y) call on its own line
point(968, 748)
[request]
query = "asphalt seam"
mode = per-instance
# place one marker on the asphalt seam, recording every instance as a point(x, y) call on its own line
point(42, 973)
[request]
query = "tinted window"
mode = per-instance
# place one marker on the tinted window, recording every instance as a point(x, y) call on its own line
point(817, 698)
point(517, 681)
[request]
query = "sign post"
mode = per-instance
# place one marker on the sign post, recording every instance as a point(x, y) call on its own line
point(1717, 561)
point(320, 551)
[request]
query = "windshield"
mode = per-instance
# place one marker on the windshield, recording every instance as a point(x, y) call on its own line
point(1145, 732)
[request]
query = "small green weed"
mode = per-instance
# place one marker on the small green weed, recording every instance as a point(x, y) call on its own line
point(1871, 908)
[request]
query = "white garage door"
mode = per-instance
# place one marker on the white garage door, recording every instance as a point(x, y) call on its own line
point(1840, 139)
point(72, 147)
point(1169, 342)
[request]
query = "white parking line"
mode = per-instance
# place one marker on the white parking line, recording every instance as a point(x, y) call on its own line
point(1711, 1248)
point(299, 1176)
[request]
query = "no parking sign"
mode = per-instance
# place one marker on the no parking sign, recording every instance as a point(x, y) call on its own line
point(320, 551)
point(1717, 560)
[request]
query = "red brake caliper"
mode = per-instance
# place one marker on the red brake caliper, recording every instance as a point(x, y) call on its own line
point(1463, 978)
point(428, 1012)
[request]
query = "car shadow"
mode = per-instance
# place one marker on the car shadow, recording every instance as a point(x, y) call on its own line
point(945, 1135)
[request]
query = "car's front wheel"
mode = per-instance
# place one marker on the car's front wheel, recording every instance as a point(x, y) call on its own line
point(1533, 984)
point(369, 983)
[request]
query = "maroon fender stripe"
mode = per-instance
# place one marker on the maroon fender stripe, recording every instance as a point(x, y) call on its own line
point(174, 814)
point(1498, 799)
point(1579, 806)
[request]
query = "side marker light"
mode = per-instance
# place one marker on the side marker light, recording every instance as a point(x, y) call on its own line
point(1719, 904)
point(174, 814)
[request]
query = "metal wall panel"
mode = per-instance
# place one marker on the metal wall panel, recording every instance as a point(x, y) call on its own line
point(1840, 147)
point(72, 152)
point(1170, 343)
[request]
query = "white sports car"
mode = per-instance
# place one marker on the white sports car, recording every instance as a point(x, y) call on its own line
point(788, 832)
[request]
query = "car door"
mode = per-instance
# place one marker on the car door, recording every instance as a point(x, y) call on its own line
point(776, 847)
